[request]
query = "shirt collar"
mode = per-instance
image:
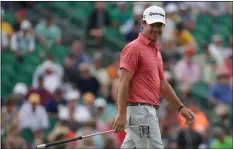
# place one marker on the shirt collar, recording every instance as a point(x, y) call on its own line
point(147, 41)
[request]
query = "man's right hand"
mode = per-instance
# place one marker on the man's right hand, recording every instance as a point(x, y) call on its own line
point(120, 122)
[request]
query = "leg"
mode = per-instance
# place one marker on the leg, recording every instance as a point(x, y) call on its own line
point(128, 144)
point(145, 115)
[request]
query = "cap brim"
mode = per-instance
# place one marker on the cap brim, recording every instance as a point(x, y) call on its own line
point(155, 21)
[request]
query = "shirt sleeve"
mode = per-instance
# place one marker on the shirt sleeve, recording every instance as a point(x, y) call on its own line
point(130, 58)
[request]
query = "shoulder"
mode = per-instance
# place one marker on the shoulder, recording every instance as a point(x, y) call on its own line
point(40, 25)
point(215, 86)
point(41, 108)
point(135, 45)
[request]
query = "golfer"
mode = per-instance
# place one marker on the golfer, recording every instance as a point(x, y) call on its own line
point(142, 81)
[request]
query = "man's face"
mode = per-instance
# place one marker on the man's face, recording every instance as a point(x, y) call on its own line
point(69, 62)
point(152, 31)
point(48, 22)
point(77, 47)
point(225, 80)
point(72, 104)
point(58, 95)
point(100, 5)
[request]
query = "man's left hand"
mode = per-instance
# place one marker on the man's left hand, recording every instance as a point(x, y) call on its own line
point(188, 115)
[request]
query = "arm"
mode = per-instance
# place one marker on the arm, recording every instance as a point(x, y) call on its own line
point(128, 64)
point(123, 90)
point(122, 98)
point(168, 93)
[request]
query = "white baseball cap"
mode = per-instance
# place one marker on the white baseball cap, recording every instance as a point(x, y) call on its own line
point(72, 95)
point(100, 102)
point(171, 8)
point(25, 25)
point(20, 88)
point(154, 14)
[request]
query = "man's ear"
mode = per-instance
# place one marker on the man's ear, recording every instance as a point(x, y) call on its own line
point(143, 23)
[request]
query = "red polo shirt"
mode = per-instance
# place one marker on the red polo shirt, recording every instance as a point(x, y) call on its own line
point(142, 58)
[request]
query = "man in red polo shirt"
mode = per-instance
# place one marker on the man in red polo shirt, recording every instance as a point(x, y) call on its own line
point(142, 82)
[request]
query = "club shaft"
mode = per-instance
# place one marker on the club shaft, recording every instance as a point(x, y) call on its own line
point(94, 134)
point(74, 139)
point(70, 140)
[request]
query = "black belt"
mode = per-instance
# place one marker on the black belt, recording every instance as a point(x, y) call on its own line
point(142, 104)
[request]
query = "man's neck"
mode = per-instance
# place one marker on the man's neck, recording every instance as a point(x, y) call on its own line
point(148, 37)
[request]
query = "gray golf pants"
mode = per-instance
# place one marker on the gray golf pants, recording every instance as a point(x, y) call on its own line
point(142, 115)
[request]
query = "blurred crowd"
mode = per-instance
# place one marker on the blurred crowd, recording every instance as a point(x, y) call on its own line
point(78, 97)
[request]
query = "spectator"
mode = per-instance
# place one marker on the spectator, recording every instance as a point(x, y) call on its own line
point(6, 31)
point(22, 42)
point(20, 92)
point(222, 118)
point(9, 115)
point(60, 132)
point(189, 138)
point(88, 142)
point(113, 68)
point(221, 91)
point(52, 74)
point(129, 24)
point(221, 140)
point(70, 73)
point(201, 122)
point(77, 49)
point(6, 26)
point(216, 49)
point(122, 13)
point(87, 82)
point(207, 65)
point(88, 101)
point(133, 34)
point(98, 70)
point(13, 139)
point(100, 73)
point(74, 112)
point(99, 19)
point(215, 9)
point(44, 94)
point(104, 116)
point(53, 104)
point(5, 41)
point(20, 17)
point(169, 126)
point(169, 31)
point(33, 116)
point(48, 33)
point(184, 38)
point(185, 15)
point(187, 71)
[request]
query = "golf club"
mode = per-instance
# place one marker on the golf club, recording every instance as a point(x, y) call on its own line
point(76, 138)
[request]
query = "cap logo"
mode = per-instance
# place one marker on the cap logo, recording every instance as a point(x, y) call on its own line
point(152, 14)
